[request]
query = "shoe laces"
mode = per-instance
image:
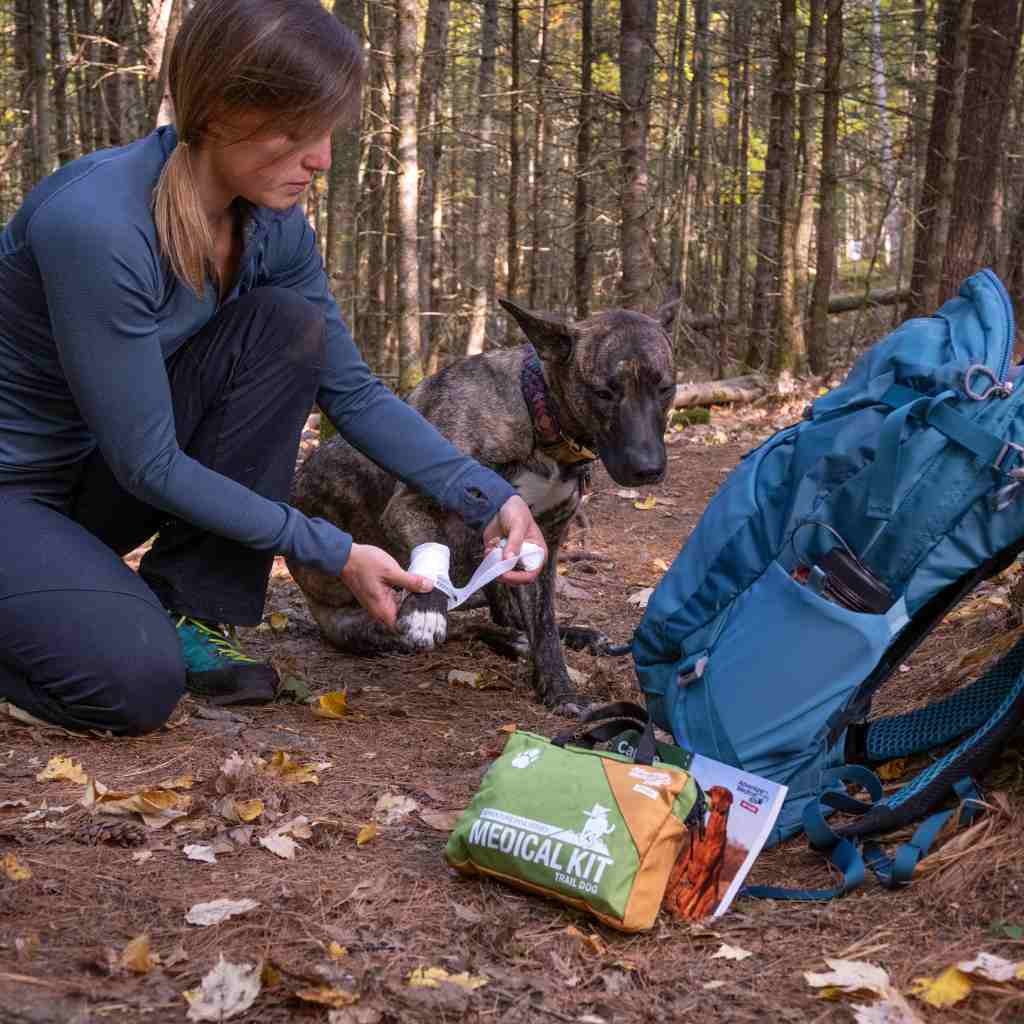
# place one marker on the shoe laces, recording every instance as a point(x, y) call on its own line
point(225, 642)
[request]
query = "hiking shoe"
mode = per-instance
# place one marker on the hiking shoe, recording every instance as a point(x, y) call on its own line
point(217, 670)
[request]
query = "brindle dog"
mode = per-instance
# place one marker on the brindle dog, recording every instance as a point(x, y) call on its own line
point(602, 385)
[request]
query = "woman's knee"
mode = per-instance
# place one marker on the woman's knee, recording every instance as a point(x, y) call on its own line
point(302, 322)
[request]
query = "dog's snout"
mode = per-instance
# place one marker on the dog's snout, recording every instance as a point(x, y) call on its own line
point(649, 474)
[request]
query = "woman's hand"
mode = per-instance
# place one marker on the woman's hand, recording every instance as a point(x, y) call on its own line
point(515, 523)
point(370, 573)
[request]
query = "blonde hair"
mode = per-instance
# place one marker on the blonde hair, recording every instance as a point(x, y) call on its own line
point(290, 59)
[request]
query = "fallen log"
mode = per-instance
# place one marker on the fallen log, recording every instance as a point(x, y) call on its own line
point(880, 297)
point(714, 392)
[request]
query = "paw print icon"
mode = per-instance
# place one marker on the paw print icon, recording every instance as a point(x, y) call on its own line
point(525, 758)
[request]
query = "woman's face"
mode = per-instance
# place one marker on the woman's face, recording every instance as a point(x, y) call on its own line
point(266, 165)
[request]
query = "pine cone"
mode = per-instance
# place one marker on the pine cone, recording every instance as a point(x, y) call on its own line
point(117, 833)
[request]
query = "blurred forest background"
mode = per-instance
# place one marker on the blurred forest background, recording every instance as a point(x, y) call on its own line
point(805, 171)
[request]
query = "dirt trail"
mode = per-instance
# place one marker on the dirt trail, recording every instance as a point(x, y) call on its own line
point(392, 903)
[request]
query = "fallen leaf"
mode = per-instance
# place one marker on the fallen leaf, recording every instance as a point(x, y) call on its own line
point(641, 597)
point(158, 807)
point(14, 869)
point(141, 856)
point(992, 967)
point(136, 955)
point(270, 976)
point(205, 914)
point(443, 821)
point(891, 770)
point(468, 679)
point(282, 845)
point(592, 940)
point(629, 493)
point(336, 951)
point(625, 965)
point(288, 771)
point(660, 563)
point(335, 705)
point(578, 678)
point(431, 977)
point(328, 996)
point(893, 1009)
point(366, 833)
point(278, 620)
point(949, 988)
point(199, 852)
point(851, 976)
point(710, 986)
point(228, 990)
point(62, 769)
point(647, 504)
point(248, 810)
point(727, 952)
point(392, 808)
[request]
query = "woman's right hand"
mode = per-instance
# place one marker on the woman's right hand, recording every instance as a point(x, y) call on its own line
point(370, 573)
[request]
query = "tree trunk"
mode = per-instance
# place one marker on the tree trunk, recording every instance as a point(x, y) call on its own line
point(429, 135)
point(23, 68)
point(512, 213)
point(114, 21)
point(343, 191)
point(808, 152)
point(42, 115)
point(410, 365)
point(538, 212)
point(819, 346)
point(788, 354)
point(582, 269)
point(687, 185)
point(61, 122)
point(994, 43)
point(887, 164)
point(926, 284)
point(484, 242)
point(370, 333)
point(164, 21)
point(636, 58)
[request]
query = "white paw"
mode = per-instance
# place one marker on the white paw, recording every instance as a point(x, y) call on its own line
point(425, 629)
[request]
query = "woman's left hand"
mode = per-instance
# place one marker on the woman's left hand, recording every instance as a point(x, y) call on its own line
point(515, 523)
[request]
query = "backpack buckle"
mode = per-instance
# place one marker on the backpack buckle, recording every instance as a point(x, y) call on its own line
point(1016, 474)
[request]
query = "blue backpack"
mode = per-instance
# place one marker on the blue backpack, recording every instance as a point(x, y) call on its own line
point(825, 558)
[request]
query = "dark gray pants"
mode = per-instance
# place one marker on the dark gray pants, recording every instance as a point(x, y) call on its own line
point(84, 641)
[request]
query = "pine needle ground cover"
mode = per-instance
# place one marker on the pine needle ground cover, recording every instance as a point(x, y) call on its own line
point(285, 863)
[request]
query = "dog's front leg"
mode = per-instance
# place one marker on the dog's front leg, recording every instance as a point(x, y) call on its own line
point(410, 519)
point(537, 608)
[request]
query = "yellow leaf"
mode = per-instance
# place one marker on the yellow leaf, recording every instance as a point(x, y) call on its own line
point(325, 995)
point(334, 705)
point(63, 769)
point(269, 975)
point(592, 940)
point(278, 620)
point(136, 955)
point(14, 869)
point(336, 951)
point(647, 504)
point(660, 563)
point(158, 807)
point(288, 771)
point(822, 391)
point(431, 977)
point(894, 769)
point(248, 810)
point(948, 989)
point(366, 833)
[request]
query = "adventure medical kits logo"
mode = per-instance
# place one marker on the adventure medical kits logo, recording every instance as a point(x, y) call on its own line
point(577, 859)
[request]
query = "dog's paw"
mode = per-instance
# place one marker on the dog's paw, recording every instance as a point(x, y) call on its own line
point(583, 638)
point(565, 701)
point(423, 619)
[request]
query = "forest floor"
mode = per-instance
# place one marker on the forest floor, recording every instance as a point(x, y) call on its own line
point(345, 917)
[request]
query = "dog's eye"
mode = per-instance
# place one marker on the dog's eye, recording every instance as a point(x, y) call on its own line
point(605, 394)
point(668, 390)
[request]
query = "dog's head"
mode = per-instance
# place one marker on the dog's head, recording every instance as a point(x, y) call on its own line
point(614, 379)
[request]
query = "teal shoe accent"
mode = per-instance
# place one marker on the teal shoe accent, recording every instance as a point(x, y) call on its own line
point(207, 649)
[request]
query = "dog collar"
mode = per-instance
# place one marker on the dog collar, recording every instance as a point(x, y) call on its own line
point(553, 441)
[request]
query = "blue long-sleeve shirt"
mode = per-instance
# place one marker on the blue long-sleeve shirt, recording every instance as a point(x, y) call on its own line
point(90, 312)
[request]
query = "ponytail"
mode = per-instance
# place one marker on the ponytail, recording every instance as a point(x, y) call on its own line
point(181, 224)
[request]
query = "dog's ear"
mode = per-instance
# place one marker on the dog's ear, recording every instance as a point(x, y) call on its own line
point(665, 314)
point(551, 336)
